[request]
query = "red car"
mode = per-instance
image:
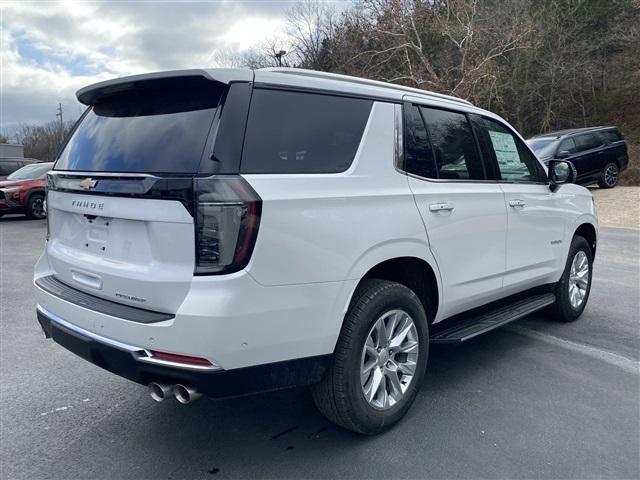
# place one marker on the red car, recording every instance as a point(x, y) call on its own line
point(23, 191)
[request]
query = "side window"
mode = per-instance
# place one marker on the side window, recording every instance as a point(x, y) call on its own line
point(9, 167)
point(587, 141)
point(612, 135)
point(567, 145)
point(294, 132)
point(515, 162)
point(418, 154)
point(454, 146)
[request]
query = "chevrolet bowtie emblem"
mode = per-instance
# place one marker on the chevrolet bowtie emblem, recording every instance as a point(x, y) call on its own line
point(88, 183)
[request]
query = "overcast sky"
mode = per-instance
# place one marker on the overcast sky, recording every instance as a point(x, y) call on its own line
point(49, 50)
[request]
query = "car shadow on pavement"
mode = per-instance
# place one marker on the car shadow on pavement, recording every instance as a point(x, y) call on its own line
point(267, 435)
point(17, 218)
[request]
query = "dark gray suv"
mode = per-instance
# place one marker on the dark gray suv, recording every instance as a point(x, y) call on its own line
point(598, 153)
point(10, 165)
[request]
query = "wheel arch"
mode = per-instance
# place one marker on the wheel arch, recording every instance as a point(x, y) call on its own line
point(32, 192)
point(589, 232)
point(413, 272)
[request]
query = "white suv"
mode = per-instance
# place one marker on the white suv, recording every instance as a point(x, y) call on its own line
point(223, 232)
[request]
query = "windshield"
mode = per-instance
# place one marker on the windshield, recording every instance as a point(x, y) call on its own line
point(30, 172)
point(155, 132)
point(544, 147)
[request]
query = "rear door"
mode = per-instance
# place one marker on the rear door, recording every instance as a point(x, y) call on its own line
point(463, 212)
point(535, 220)
point(590, 157)
point(120, 201)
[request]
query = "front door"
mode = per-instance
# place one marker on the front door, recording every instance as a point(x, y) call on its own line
point(535, 220)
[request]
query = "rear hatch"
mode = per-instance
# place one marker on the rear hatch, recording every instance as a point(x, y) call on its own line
point(122, 208)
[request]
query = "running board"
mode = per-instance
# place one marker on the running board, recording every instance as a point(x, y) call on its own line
point(473, 327)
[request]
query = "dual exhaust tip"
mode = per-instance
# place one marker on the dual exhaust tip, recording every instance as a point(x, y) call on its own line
point(182, 393)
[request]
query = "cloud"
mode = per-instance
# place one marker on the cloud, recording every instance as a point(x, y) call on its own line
point(49, 50)
point(248, 32)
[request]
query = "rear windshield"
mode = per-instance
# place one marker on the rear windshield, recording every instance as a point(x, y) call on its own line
point(143, 132)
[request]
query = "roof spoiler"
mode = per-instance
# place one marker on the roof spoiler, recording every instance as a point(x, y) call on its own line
point(93, 94)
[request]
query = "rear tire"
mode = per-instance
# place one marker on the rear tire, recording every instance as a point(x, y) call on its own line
point(572, 291)
point(610, 176)
point(35, 207)
point(380, 313)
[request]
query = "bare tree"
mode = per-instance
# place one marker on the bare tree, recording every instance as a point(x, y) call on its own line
point(450, 46)
point(42, 141)
point(311, 24)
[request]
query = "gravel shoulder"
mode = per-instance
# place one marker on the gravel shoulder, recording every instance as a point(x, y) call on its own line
point(618, 207)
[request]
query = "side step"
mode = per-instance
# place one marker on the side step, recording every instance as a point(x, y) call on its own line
point(471, 328)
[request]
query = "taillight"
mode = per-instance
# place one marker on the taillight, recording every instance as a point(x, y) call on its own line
point(227, 218)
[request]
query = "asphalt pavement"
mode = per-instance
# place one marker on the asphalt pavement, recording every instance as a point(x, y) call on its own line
point(536, 399)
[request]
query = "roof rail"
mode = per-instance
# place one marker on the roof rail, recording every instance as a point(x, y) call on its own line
point(363, 81)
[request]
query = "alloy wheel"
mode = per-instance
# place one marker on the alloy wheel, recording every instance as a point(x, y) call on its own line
point(611, 175)
point(389, 359)
point(37, 207)
point(578, 279)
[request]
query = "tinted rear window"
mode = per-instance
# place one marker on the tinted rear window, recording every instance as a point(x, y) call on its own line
point(154, 132)
point(418, 152)
point(453, 144)
point(293, 132)
point(587, 141)
point(612, 135)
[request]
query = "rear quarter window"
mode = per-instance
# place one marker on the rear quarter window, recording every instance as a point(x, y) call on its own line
point(296, 132)
point(612, 135)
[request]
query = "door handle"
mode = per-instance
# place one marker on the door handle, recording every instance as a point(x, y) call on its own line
point(441, 207)
point(517, 203)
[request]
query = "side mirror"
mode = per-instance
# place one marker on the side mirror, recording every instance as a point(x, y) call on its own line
point(561, 172)
point(563, 154)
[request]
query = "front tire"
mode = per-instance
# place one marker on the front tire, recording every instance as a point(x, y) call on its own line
point(610, 176)
point(35, 207)
point(379, 361)
point(572, 291)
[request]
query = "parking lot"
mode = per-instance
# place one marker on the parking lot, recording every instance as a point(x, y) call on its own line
point(533, 400)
